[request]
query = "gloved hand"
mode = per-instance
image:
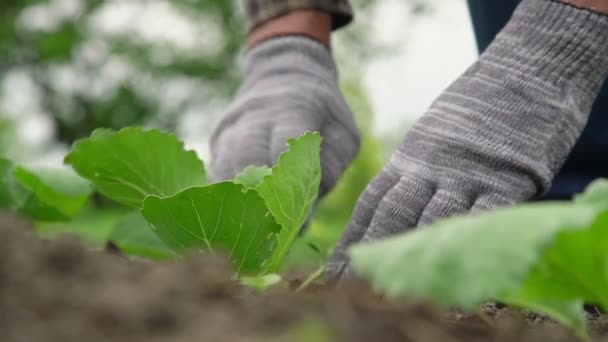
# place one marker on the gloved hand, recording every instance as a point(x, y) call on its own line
point(290, 88)
point(499, 134)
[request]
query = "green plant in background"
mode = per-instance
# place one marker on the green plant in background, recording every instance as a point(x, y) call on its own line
point(85, 71)
point(42, 194)
point(7, 135)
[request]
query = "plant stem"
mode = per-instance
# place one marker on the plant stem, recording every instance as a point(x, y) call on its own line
point(311, 279)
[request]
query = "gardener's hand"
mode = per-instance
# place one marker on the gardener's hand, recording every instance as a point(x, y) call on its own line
point(499, 134)
point(290, 88)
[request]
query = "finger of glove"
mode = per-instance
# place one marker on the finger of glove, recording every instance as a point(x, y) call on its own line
point(360, 221)
point(444, 204)
point(490, 201)
point(401, 208)
point(398, 211)
point(243, 144)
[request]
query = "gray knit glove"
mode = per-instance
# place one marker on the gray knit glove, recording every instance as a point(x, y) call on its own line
point(499, 134)
point(290, 88)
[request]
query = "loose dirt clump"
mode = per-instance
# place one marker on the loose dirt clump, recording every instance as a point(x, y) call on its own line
point(61, 291)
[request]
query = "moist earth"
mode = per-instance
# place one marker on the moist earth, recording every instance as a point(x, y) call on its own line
point(60, 290)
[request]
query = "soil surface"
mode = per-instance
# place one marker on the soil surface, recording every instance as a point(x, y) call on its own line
point(61, 291)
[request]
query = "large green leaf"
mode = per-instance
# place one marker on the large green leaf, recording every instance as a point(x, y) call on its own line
point(134, 236)
point(131, 164)
point(223, 217)
point(291, 190)
point(51, 194)
point(469, 259)
point(548, 257)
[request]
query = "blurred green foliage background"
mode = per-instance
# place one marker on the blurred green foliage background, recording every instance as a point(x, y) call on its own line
point(89, 64)
point(70, 66)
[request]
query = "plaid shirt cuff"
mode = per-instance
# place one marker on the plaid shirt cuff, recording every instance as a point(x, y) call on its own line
point(260, 11)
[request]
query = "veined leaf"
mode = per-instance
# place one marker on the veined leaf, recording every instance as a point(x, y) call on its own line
point(252, 176)
point(466, 260)
point(131, 164)
point(51, 194)
point(134, 236)
point(291, 190)
point(224, 217)
point(545, 257)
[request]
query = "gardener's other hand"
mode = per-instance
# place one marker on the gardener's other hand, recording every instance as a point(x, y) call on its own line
point(499, 134)
point(290, 88)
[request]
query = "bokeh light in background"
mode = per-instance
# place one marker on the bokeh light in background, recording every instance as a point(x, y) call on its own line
point(434, 48)
point(71, 66)
point(74, 65)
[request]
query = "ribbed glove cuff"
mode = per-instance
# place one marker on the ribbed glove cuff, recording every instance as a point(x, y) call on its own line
point(574, 40)
point(291, 54)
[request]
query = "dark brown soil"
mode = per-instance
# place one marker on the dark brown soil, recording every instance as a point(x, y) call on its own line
point(60, 291)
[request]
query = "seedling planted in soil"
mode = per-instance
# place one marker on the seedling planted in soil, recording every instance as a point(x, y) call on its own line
point(545, 257)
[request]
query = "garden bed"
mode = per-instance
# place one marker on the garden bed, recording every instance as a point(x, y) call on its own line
point(61, 291)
